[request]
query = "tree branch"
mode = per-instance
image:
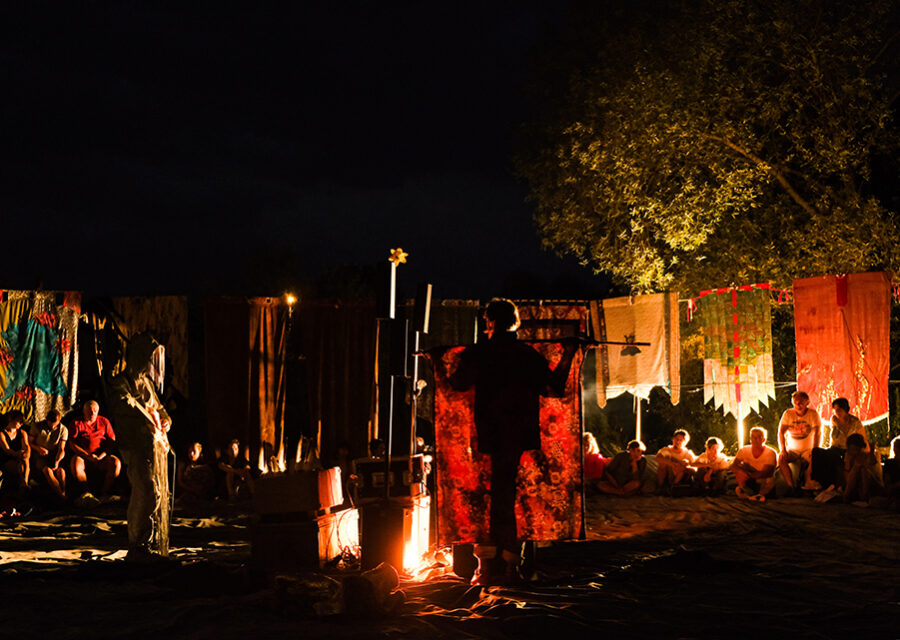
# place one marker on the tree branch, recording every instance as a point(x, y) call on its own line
point(778, 175)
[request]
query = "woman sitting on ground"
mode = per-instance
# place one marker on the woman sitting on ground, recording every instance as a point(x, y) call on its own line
point(594, 462)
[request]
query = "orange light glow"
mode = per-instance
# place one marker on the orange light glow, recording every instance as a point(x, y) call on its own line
point(415, 534)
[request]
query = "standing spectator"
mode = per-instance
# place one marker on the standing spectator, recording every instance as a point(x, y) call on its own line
point(799, 431)
point(91, 446)
point(754, 467)
point(15, 451)
point(48, 447)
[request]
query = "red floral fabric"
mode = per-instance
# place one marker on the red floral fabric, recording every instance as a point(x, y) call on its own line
point(549, 486)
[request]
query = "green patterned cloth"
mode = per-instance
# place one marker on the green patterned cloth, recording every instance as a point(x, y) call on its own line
point(737, 330)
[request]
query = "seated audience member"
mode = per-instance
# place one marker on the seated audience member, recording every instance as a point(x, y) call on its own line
point(754, 467)
point(91, 445)
point(711, 467)
point(195, 478)
point(48, 447)
point(594, 463)
point(237, 470)
point(891, 472)
point(826, 464)
point(799, 432)
point(861, 480)
point(624, 472)
point(673, 462)
point(14, 452)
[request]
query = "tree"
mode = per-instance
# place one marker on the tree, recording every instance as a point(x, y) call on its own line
point(724, 141)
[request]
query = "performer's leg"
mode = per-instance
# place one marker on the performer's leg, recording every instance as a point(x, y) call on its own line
point(142, 502)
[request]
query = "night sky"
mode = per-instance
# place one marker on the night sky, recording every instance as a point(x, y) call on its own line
point(233, 148)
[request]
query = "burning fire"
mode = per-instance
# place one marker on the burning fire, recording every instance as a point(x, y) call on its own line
point(420, 562)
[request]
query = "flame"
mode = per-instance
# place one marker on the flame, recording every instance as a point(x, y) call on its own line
point(420, 561)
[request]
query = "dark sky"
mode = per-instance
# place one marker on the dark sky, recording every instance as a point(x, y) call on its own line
point(152, 150)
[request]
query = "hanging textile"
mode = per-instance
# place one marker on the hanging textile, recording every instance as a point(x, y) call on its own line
point(166, 319)
point(38, 354)
point(268, 340)
point(452, 322)
point(736, 324)
point(338, 347)
point(631, 368)
point(552, 321)
point(842, 326)
point(548, 506)
point(246, 342)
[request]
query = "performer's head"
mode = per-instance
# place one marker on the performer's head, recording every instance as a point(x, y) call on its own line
point(501, 315)
point(680, 438)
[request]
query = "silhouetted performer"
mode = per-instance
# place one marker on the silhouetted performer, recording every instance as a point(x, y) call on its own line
point(509, 377)
point(141, 427)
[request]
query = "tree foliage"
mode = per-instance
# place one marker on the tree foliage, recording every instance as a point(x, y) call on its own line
point(724, 141)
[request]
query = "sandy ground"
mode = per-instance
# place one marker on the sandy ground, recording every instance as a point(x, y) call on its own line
point(650, 567)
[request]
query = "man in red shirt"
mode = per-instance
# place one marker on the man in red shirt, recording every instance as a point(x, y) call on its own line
point(91, 448)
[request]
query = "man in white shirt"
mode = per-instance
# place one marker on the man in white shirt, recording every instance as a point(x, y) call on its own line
point(799, 431)
point(674, 461)
point(754, 467)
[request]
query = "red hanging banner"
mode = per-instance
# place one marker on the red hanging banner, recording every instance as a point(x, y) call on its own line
point(842, 326)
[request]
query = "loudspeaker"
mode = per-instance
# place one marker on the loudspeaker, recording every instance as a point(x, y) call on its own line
point(422, 313)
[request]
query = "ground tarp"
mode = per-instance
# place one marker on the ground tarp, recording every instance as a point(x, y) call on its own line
point(651, 567)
